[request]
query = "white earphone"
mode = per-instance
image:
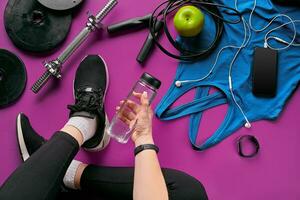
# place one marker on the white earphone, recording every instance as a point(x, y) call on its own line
point(247, 31)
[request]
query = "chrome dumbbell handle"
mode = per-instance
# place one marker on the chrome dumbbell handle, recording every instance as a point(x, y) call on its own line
point(74, 45)
point(92, 24)
point(41, 82)
point(53, 69)
point(107, 8)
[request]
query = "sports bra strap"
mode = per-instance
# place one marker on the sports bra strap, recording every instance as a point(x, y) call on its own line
point(201, 102)
point(228, 126)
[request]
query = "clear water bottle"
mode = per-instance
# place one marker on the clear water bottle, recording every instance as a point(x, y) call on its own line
point(120, 130)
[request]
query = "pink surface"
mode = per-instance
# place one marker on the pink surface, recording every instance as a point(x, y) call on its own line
point(273, 174)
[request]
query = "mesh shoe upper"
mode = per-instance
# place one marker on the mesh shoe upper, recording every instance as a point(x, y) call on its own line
point(28, 140)
point(90, 87)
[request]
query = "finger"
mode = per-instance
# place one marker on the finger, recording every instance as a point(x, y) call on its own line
point(128, 114)
point(118, 108)
point(127, 121)
point(137, 95)
point(133, 106)
point(144, 99)
point(150, 112)
point(121, 103)
point(124, 119)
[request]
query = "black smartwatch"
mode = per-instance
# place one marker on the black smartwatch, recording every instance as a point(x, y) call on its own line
point(143, 147)
point(253, 141)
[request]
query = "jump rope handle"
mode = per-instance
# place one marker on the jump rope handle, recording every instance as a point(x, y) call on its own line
point(136, 24)
point(128, 25)
point(149, 43)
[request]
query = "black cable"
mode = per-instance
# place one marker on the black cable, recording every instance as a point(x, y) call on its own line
point(209, 7)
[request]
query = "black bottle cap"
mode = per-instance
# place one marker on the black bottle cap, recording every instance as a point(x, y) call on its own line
point(151, 80)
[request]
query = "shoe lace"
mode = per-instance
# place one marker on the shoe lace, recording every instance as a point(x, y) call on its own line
point(89, 101)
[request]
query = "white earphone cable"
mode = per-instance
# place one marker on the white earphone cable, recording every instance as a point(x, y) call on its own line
point(245, 43)
point(266, 38)
point(248, 28)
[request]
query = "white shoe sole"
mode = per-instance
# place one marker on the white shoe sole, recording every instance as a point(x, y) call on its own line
point(23, 149)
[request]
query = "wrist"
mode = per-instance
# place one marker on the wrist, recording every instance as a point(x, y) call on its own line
point(141, 148)
point(143, 140)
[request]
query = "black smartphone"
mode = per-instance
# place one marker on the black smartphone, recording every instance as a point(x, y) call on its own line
point(287, 2)
point(264, 72)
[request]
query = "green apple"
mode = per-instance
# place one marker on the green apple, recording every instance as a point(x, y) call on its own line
point(189, 21)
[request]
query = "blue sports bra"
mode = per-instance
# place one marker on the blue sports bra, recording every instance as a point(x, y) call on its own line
point(244, 107)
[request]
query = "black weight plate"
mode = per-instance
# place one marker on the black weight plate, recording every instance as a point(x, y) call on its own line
point(33, 27)
point(12, 77)
point(60, 4)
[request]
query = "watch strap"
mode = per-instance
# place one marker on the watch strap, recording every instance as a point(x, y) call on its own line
point(143, 147)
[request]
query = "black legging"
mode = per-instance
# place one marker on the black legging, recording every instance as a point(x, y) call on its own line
point(41, 177)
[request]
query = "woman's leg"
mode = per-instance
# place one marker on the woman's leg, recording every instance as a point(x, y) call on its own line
point(117, 183)
point(40, 177)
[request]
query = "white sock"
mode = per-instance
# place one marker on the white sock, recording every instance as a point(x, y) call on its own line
point(69, 179)
point(85, 125)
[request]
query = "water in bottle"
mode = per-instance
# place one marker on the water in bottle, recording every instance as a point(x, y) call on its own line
point(121, 129)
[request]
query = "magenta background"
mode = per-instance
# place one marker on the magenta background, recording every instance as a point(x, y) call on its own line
point(273, 174)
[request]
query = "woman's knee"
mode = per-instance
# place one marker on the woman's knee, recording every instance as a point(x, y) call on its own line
point(183, 186)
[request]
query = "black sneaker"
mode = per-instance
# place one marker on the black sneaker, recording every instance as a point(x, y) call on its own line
point(90, 86)
point(29, 141)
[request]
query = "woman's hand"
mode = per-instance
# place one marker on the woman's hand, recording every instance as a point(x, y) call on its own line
point(140, 116)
